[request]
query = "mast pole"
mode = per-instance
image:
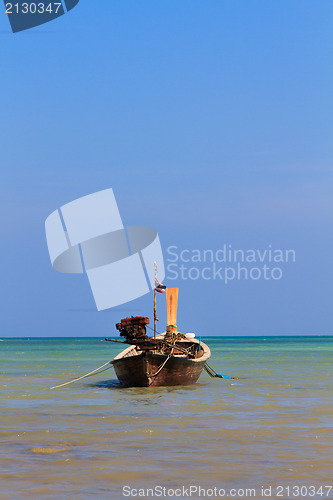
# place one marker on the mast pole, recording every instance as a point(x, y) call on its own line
point(155, 317)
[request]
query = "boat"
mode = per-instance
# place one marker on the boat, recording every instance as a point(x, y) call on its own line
point(168, 359)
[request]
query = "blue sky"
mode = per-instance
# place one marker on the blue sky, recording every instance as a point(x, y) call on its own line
point(212, 122)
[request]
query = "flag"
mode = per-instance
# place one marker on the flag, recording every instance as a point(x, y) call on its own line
point(159, 287)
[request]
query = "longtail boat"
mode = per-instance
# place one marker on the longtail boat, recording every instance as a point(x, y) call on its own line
point(168, 359)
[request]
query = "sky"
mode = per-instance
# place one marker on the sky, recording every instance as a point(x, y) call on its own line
point(212, 122)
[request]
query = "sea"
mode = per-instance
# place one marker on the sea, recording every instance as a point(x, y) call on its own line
point(267, 432)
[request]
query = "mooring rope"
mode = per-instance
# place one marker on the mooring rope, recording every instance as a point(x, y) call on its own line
point(84, 376)
point(212, 373)
point(161, 367)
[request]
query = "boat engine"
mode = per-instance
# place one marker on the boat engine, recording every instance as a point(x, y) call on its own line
point(133, 328)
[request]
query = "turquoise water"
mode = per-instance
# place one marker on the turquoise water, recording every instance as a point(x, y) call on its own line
point(271, 426)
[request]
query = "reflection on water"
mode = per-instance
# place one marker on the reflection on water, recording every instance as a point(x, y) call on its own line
point(273, 425)
point(107, 384)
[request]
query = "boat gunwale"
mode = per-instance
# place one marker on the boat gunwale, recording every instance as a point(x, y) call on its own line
point(206, 354)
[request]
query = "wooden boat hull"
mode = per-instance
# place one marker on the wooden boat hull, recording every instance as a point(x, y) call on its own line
point(139, 371)
point(149, 369)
